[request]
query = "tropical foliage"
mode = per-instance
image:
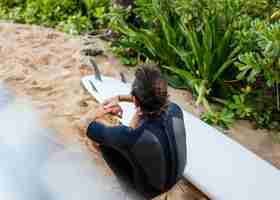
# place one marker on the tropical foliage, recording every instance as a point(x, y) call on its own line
point(72, 16)
point(226, 52)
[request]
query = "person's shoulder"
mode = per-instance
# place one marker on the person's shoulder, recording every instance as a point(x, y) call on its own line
point(174, 109)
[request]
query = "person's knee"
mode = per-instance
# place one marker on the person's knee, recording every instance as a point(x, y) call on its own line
point(90, 135)
point(93, 132)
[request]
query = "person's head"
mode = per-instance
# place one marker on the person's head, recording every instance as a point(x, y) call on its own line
point(149, 89)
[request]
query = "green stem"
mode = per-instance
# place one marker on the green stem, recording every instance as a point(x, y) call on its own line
point(218, 100)
point(207, 106)
point(277, 96)
point(201, 90)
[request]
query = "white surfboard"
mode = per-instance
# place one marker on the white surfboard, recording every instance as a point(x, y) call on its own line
point(217, 165)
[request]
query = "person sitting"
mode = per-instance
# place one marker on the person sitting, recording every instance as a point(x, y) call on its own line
point(154, 144)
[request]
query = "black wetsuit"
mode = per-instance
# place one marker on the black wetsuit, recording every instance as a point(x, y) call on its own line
point(156, 149)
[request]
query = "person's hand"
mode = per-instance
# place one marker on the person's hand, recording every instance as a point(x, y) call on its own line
point(101, 111)
point(136, 119)
point(94, 115)
point(111, 102)
point(115, 110)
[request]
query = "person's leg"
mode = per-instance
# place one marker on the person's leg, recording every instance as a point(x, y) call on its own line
point(123, 171)
point(119, 165)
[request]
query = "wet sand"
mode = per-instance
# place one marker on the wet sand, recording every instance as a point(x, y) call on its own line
point(46, 66)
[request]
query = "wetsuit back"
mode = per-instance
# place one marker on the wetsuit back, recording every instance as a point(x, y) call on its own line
point(156, 150)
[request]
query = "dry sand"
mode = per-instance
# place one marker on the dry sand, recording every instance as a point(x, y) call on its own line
point(46, 66)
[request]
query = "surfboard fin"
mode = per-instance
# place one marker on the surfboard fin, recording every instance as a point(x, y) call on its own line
point(93, 86)
point(96, 70)
point(123, 78)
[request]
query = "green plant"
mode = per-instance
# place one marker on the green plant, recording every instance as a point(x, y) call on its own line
point(264, 62)
point(225, 118)
point(96, 9)
point(11, 3)
point(151, 43)
point(222, 50)
point(72, 16)
point(49, 12)
point(126, 56)
point(255, 7)
point(259, 66)
point(199, 55)
point(240, 106)
point(208, 58)
point(76, 24)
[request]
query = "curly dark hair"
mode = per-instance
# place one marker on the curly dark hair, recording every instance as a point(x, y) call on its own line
point(150, 89)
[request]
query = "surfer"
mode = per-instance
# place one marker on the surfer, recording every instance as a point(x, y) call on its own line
point(154, 144)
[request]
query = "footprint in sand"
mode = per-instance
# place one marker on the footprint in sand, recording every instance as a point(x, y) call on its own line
point(83, 103)
point(15, 79)
point(42, 88)
point(42, 60)
point(52, 36)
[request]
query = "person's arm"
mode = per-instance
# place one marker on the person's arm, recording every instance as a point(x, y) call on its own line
point(114, 101)
point(126, 98)
point(94, 115)
point(117, 136)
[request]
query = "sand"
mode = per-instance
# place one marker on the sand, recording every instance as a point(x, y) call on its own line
point(45, 66)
